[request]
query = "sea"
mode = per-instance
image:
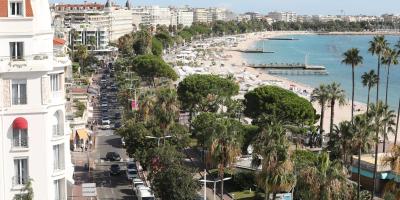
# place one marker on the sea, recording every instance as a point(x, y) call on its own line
point(327, 50)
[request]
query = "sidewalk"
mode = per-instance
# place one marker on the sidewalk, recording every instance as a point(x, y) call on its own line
point(81, 175)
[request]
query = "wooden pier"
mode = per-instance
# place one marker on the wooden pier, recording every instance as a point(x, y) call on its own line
point(281, 38)
point(292, 69)
point(253, 51)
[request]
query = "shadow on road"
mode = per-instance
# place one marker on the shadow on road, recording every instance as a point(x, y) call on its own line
point(114, 142)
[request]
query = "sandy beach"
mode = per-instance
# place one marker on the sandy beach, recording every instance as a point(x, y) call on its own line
point(342, 113)
point(228, 60)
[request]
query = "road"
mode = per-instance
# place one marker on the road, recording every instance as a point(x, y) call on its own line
point(110, 187)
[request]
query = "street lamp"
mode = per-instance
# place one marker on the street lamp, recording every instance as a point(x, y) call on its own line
point(159, 138)
point(215, 183)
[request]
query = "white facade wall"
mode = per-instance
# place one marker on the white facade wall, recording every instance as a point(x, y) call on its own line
point(159, 15)
point(200, 15)
point(37, 63)
point(121, 23)
point(185, 17)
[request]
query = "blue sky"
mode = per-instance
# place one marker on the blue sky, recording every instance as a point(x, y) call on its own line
point(373, 7)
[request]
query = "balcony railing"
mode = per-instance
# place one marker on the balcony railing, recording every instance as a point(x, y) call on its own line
point(20, 143)
point(19, 100)
point(18, 62)
point(19, 180)
point(57, 131)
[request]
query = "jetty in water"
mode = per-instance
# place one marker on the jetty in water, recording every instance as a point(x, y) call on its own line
point(253, 51)
point(292, 69)
point(281, 38)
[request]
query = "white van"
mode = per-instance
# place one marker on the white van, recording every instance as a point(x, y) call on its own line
point(145, 193)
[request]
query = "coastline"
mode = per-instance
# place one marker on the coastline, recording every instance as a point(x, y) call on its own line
point(342, 113)
point(361, 33)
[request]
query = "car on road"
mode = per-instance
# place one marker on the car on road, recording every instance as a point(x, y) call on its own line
point(131, 165)
point(145, 193)
point(131, 174)
point(117, 115)
point(113, 156)
point(115, 169)
point(117, 125)
point(105, 123)
point(135, 183)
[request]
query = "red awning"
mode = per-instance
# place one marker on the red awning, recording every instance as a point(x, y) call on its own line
point(20, 123)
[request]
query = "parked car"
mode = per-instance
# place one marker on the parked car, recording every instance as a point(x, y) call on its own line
point(117, 115)
point(115, 169)
point(131, 174)
point(113, 156)
point(135, 183)
point(131, 165)
point(145, 193)
point(105, 123)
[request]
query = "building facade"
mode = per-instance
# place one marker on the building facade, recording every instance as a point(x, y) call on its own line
point(34, 137)
point(283, 16)
point(94, 37)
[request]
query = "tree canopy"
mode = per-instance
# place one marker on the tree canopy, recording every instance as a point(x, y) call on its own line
point(278, 104)
point(205, 92)
point(152, 67)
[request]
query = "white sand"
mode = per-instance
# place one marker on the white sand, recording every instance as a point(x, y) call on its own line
point(342, 113)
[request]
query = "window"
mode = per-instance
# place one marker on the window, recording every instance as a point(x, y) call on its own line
point(57, 124)
point(16, 8)
point(20, 138)
point(55, 82)
point(16, 50)
point(59, 189)
point(18, 92)
point(21, 171)
point(58, 154)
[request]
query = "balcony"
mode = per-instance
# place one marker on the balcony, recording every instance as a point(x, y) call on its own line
point(19, 181)
point(34, 62)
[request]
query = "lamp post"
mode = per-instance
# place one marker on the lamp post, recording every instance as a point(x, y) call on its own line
point(159, 138)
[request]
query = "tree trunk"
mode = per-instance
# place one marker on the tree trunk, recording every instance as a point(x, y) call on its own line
point(222, 185)
point(352, 94)
point(359, 173)
point(332, 115)
point(377, 130)
point(274, 196)
point(321, 123)
point(397, 125)
point(386, 96)
point(369, 93)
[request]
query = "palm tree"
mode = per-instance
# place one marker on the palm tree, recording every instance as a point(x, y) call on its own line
point(147, 106)
point(363, 140)
point(166, 108)
point(369, 79)
point(397, 124)
point(82, 55)
point(352, 57)
point(377, 46)
point(340, 140)
point(277, 169)
point(224, 147)
point(335, 94)
point(381, 115)
point(390, 57)
point(328, 172)
point(320, 95)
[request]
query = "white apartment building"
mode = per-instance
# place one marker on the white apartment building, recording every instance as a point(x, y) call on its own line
point(283, 16)
point(34, 142)
point(218, 14)
point(140, 16)
point(159, 15)
point(121, 20)
point(184, 17)
point(201, 15)
point(85, 32)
